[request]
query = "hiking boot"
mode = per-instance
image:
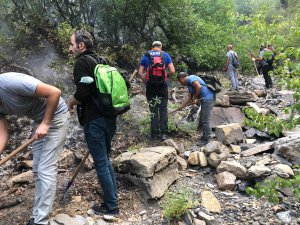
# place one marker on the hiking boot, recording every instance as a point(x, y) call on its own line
point(164, 137)
point(104, 210)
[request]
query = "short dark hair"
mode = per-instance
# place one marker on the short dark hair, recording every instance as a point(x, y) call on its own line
point(85, 37)
point(181, 75)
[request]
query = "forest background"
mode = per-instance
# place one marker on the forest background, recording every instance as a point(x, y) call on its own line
point(194, 32)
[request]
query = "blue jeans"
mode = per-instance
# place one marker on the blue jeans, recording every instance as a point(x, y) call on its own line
point(233, 77)
point(205, 116)
point(98, 135)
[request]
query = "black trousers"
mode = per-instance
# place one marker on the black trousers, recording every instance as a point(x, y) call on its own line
point(267, 77)
point(158, 105)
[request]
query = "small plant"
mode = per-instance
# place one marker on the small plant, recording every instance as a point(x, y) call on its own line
point(270, 188)
point(268, 123)
point(134, 148)
point(176, 204)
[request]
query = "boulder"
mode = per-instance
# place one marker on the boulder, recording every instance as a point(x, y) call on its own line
point(223, 116)
point(229, 134)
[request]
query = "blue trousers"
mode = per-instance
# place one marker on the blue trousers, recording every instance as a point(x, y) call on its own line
point(233, 77)
point(98, 135)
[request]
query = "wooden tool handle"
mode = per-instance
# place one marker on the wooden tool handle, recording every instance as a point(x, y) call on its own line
point(19, 149)
point(79, 166)
point(132, 75)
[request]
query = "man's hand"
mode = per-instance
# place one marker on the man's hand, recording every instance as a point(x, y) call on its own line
point(196, 101)
point(41, 131)
point(73, 101)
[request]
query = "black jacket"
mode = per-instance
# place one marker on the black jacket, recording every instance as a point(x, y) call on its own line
point(83, 67)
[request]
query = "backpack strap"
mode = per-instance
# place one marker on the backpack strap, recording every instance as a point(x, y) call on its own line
point(148, 54)
point(98, 60)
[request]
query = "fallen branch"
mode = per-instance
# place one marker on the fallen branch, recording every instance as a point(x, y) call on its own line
point(10, 203)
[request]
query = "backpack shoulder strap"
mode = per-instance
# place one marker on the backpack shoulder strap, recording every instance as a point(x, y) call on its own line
point(98, 60)
point(148, 55)
point(91, 58)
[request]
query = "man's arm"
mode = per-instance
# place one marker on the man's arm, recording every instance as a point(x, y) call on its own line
point(52, 95)
point(141, 73)
point(3, 133)
point(198, 87)
point(227, 61)
point(186, 102)
point(171, 69)
point(73, 102)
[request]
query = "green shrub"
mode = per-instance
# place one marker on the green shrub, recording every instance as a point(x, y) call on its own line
point(176, 204)
point(270, 188)
point(267, 123)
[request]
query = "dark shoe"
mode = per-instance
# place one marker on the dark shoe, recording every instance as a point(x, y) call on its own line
point(164, 137)
point(30, 222)
point(104, 210)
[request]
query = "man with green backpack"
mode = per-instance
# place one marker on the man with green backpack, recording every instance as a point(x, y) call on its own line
point(101, 94)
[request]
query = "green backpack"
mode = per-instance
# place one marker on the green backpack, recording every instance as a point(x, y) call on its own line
point(112, 98)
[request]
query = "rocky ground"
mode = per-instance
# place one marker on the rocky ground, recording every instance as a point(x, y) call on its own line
point(225, 207)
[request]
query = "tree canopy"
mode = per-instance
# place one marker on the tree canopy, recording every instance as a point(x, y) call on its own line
point(195, 32)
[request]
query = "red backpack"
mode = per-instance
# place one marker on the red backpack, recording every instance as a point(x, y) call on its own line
point(156, 74)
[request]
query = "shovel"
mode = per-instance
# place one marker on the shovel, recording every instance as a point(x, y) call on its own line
point(19, 149)
point(74, 176)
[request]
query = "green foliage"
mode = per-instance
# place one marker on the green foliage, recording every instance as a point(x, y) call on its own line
point(62, 36)
point(194, 32)
point(176, 204)
point(266, 189)
point(269, 188)
point(267, 123)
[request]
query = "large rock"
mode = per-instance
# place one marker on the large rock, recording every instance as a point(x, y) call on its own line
point(289, 148)
point(215, 146)
point(230, 133)
point(232, 167)
point(283, 170)
point(214, 159)
point(223, 116)
point(241, 98)
point(226, 180)
point(222, 100)
point(153, 170)
point(156, 186)
point(210, 202)
point(258, 171)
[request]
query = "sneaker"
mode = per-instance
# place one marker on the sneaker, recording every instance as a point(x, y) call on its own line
point(30, 222)
point(104, 210)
